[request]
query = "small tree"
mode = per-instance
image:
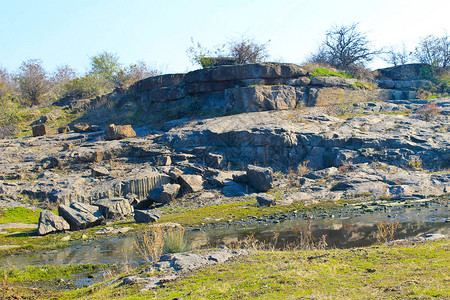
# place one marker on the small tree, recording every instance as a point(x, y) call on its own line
point(244, 50)
point(61, 78)
point(5, 83)
point(32, 80)
point(345, 47)
point(140, 70)
point(107, 66)
point(434, 51)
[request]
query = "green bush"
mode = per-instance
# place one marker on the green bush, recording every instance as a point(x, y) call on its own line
point(86, 87)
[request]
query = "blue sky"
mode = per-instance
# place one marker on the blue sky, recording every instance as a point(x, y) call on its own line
point(158, 32)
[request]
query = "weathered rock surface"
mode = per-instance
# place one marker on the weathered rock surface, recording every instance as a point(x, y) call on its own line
point(118, 132)
point(49, 222)
point(114, 208)
point(147, 216)
point(81, 215)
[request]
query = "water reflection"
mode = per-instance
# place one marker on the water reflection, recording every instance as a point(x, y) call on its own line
point(341, 231)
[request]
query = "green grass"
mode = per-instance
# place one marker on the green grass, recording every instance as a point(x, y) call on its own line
point(314, 70)
point(237, 211)
point(379, 272)
point(19, 215)
point(47, 272)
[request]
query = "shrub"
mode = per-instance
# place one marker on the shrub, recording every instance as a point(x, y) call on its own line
point(86, 87)
point(428, 112)
point(32, 80)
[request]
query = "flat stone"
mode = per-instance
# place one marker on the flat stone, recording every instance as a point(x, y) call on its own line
point(147, 216)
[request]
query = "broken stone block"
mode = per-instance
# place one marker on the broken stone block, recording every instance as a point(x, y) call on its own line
point(147, 216)
point(80, 127)
point(81, 215)
point(191, 183)
point(118, 132)
point(261, 179)
point(99, 171)
point(117, 209)
point(265, 200)
point(49, 222)
point(164, 193)
point(39, 130)
point(63, 129)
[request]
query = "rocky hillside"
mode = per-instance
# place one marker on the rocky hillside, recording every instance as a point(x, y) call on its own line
point(277, 116)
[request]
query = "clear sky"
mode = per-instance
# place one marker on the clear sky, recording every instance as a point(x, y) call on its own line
point(159, 31)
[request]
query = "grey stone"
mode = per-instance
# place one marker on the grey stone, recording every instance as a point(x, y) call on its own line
point(261, 179)
point(147, 216)
point(164, 193)
point(214, 160)
point(50, 163)
point(81, 215)
point(63, 129)
point(233, 189)
point(99, 171)
point(49, 222)
point(164, 160)
point(265, 200)
point(191, 183)
point(81, 127)
point(331, 81)
point(114, 208)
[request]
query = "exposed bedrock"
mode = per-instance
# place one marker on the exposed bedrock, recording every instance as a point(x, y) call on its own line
point(285, 139)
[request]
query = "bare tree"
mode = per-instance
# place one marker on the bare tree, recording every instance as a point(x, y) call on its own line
point(434, 51)
point(247, 50)
point(141, 70)
point(345, 47)
point(32, 80)
point(397, 58)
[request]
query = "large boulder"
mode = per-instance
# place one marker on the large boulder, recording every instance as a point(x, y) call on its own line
point(147, 215)
point(261, 179)
point(164, 193)
point(114, 208)
point(118, 132)
point(49, 222)
point(81, 215)
point(191, 183)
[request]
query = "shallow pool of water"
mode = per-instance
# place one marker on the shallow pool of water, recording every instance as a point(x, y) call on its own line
point(341, 229)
